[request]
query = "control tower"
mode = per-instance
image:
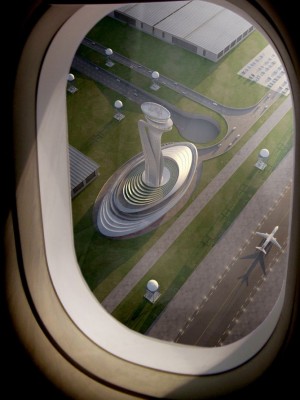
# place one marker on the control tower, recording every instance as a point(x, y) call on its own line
point(149, 185)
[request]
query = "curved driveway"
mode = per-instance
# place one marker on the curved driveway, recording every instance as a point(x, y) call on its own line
point(238, 120)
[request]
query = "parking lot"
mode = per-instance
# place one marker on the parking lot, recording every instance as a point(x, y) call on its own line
point(266, 69)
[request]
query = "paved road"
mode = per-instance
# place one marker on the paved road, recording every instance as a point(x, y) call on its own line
point(204, 278)
point(238, 120)
point(207, 127)
point(170, 83)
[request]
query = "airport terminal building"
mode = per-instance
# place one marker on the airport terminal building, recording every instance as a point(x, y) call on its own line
point(196, 26)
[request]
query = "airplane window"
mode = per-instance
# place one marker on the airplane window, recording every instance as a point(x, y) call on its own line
point(152, 241)
point(181, 163)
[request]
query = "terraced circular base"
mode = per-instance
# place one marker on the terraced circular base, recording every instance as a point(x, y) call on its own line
point(129, 206)
point(134, 195)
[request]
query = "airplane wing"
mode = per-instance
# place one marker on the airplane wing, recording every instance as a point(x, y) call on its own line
point(264, 235)
point(274, 241)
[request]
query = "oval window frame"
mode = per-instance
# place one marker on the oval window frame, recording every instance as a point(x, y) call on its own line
point(53, 299)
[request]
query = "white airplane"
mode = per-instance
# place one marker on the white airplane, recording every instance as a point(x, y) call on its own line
point(269, 238)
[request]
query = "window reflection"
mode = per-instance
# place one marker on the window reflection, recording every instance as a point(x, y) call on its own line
point(179, 259)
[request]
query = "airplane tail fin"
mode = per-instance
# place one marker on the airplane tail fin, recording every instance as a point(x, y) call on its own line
point(261, 249)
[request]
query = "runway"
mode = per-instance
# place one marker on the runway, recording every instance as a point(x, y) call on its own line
point(241, 280)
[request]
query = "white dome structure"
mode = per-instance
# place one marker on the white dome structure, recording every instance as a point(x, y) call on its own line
point(152, 291)
point(152, 285)
point(71, 77)
point(155, 75)
point(264, 153)
point(109, 53)
point(118, 115)
point(263, 156)
point(118, 104)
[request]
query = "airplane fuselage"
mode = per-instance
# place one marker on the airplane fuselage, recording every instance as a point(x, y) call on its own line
point(269, 237)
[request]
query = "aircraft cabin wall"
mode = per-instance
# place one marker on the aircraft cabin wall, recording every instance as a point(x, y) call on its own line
point(45, 351)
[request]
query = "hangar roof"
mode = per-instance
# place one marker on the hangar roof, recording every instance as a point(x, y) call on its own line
point(198, 22)
point(81, 166)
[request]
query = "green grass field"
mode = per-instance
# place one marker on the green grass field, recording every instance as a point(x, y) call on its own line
point(94, 131)
point(193, 71)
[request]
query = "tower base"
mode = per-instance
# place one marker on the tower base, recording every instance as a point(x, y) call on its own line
point(127, 206)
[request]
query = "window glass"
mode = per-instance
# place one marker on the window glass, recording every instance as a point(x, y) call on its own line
point(181, 165)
